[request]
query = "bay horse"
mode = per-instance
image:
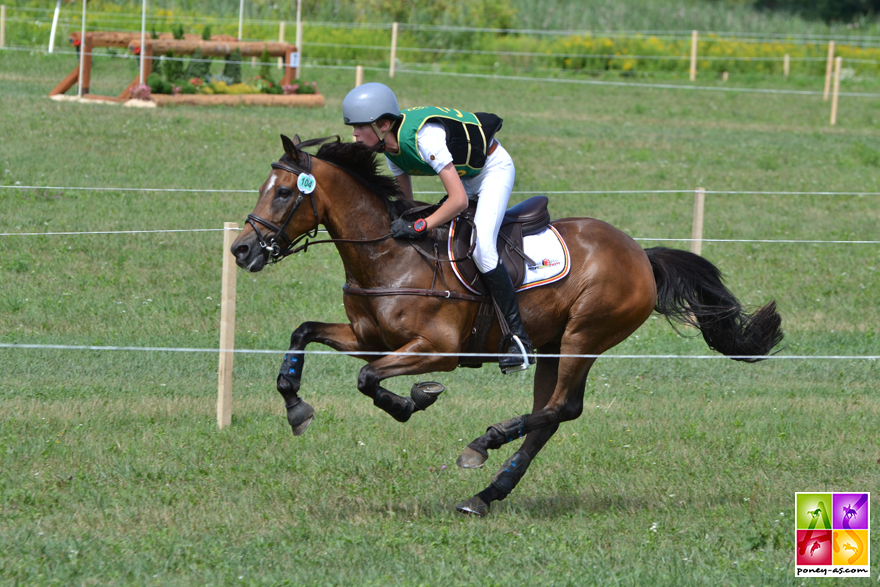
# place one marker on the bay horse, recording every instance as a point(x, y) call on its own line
point(612, 288)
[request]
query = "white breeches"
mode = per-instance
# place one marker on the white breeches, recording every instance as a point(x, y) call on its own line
point(491, 188)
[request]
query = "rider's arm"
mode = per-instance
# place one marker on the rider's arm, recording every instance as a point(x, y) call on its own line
point(405, 183)
point(454, 204)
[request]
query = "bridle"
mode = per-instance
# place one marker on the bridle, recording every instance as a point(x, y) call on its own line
point(279, 245)
point(272, 248)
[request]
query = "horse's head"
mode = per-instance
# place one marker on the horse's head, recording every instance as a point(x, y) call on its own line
point(285, 211)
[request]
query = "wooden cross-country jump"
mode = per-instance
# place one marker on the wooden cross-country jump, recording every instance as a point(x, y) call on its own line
point(218, 46)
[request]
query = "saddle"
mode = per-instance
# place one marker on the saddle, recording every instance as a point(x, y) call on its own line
point(528, 217)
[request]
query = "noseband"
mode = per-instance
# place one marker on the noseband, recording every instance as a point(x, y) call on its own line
point(279, 245)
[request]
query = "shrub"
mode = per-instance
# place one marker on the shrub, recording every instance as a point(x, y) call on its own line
point(158, 85)
point(265, 66)
point(232, 67)
point(141, 92)
point(241, 89)
point(206, 33)
point(177, 30)
point(198, 66)
point(172, 68)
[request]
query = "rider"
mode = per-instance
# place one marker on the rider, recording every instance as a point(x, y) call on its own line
point(460, 148)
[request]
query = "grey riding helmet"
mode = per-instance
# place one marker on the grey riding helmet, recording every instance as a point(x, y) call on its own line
point(369, 103)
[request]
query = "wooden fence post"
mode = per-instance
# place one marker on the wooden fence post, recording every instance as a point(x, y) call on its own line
point(227, 328)
point(299, 40)
point(2, 26)
point(697, 231)
point(393, 49)
point(281, 40)
point(694, 37)
point(240, 19)
point(786, 65)
point(837, 64)
point(358, 75)
point(828, 68)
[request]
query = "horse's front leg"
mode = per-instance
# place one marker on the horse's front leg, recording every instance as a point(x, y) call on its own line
point(401, 408)
point(337, 336)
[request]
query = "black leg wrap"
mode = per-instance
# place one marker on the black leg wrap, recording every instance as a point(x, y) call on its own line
point(291, 372)
point(508, 430)
point(400, 408)
point(511, 472)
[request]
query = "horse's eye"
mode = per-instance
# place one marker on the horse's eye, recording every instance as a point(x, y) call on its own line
point(282, 192)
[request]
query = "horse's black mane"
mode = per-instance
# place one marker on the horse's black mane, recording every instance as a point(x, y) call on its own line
point(360, 162)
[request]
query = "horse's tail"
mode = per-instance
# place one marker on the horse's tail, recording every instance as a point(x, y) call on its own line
point(690, 291)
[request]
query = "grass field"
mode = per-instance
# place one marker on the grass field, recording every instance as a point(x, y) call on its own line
point(679, 472)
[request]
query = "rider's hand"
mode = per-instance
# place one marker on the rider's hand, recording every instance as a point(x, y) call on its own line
point(400, 228)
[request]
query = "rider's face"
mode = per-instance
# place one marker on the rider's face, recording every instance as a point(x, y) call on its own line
point(364, 133)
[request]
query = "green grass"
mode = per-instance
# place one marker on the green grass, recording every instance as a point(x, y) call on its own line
point(114, 471)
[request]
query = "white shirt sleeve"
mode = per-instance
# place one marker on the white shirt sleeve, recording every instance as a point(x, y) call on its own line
point(394, 168)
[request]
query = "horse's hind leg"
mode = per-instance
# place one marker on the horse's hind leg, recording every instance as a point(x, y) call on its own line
point(547, 387)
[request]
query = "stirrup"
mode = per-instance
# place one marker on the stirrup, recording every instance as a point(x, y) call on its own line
point(525, 356)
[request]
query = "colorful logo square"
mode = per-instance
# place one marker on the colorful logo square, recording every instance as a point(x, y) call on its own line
point(814, 547)
point(850, 548)
point(851, 511)
point(832, 534)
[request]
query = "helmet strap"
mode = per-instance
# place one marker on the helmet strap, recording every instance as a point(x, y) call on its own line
point(379, 133)
point(380, 147)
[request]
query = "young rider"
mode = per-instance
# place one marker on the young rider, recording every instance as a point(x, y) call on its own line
point(460, 148)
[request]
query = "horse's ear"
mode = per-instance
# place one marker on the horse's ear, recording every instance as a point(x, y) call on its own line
point(290, 147)
point(296, 140)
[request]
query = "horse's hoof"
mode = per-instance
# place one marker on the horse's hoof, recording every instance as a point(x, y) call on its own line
point(471, 459)
point(473, 507)
point(299, 416)
point(426, 393)
point(300, 428)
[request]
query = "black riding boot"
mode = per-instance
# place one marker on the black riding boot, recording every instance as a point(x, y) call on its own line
point(501, 290)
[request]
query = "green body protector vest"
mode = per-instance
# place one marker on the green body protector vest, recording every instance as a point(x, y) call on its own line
point(468, 137)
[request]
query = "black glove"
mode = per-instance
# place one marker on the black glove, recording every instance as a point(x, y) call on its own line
point(400, 228)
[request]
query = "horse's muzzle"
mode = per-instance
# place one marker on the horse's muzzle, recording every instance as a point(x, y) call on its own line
point(248, 253)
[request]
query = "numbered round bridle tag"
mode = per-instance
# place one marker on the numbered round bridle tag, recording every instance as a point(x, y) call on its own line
point(306, 183)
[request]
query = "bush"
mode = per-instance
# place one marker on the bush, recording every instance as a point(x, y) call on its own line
point(232, 67)
point(266, 67)
point(198, 66)
point(241, 89)
point(177, 30)
point(172, 68)
point(206, 33)
point(158, 85)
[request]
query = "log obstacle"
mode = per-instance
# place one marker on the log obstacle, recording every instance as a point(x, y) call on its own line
point(218, 46)
point(296, 100)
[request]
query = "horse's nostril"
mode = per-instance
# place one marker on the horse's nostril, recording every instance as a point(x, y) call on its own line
point(242, 249)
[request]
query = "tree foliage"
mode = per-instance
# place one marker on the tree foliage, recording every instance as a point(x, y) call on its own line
point(831, 11)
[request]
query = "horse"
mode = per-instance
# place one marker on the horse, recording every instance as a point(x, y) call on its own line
point(409, 315)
